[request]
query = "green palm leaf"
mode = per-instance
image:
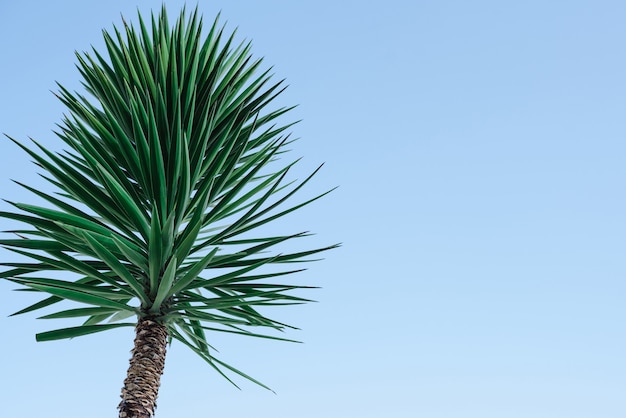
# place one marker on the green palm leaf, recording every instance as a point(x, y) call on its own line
point(171, 168)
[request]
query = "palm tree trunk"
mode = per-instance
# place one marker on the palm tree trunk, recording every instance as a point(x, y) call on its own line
point(143, 379)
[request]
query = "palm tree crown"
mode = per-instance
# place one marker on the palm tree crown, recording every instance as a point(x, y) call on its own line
point(166, 179)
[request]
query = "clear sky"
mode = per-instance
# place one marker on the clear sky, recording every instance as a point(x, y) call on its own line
point(479, 148)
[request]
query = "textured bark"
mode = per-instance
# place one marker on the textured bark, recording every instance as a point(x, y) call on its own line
point(143, 379)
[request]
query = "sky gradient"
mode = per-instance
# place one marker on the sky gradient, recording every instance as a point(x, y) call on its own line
point(479, 152)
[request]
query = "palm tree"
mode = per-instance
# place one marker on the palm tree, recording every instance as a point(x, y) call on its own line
point(159, 200)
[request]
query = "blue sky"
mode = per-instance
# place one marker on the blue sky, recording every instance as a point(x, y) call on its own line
point(479, 149)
